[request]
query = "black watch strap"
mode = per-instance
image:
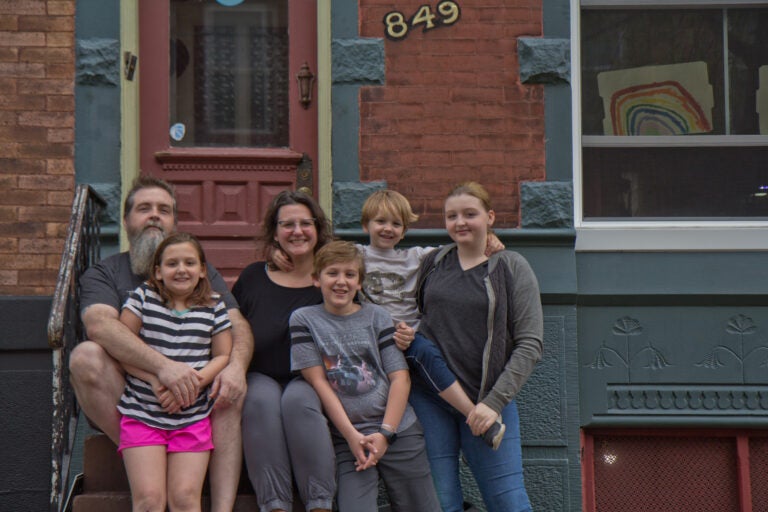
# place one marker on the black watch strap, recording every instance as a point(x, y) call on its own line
point(390, 436)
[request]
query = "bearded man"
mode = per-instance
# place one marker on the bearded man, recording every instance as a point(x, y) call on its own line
point(97, 375)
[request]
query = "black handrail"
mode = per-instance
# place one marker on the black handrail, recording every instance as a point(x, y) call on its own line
point(81, 250)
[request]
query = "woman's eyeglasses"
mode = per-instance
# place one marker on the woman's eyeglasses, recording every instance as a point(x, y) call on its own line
point(290, 225)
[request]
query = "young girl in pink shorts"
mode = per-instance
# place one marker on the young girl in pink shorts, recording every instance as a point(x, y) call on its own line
point(166, 448)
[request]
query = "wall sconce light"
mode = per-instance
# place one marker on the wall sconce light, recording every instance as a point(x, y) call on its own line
point(306, 79)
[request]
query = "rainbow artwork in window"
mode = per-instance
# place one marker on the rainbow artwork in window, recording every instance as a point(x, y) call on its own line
point(674, 99)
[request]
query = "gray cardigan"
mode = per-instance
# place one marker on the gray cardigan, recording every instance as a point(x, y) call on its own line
point(515, 329)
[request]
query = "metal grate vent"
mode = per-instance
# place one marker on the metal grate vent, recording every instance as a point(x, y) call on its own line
point(758, 470)
point(667, 474)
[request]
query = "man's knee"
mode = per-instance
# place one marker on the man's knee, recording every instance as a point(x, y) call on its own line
point(87, 360)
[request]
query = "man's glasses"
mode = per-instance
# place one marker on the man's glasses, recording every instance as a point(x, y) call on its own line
point(290, 225)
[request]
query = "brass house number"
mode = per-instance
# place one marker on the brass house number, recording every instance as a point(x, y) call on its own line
point(396, 27)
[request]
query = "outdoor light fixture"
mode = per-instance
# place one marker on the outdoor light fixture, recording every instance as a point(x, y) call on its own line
point(306, 79)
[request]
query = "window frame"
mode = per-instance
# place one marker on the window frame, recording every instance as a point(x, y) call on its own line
point(667, 235)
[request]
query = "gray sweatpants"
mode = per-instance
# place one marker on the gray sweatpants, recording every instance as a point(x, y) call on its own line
point(404, 468)
point(284, 429)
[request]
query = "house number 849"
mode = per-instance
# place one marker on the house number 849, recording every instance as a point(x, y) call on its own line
point(397, 27)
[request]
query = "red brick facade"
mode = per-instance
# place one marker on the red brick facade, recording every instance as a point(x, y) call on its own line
point(453, 108)
point(37, 133)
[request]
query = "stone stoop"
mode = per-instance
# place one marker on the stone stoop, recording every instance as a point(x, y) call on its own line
point(105, 484)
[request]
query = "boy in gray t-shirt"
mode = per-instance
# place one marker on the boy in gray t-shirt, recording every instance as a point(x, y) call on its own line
point(347, 353)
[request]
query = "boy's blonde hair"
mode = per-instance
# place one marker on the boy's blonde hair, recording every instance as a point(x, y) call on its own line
point(391, 202)
point(338, 251)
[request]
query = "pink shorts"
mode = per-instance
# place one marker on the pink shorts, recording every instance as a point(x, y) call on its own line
point(192, 438)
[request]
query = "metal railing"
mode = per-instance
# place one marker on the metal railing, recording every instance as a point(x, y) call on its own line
point(81, 250)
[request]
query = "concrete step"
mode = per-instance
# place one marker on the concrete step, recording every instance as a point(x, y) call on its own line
point(105, 485)
point(121, 502)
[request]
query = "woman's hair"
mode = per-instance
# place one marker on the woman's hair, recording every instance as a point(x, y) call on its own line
point(474, 189)
point(269, 227)
point(391, 202)
point(339, 251)
point(203, 293)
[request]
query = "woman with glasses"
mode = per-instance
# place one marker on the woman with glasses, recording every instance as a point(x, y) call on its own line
point(285, 434)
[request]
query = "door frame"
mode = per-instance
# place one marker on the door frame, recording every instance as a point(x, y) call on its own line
point(130, 132)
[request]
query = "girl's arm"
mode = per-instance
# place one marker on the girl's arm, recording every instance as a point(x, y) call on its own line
point(316, 377)
point(525, 327)
point(221, 347)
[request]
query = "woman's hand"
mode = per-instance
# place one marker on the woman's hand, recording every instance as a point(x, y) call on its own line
point(404, 335)
point(480, 419)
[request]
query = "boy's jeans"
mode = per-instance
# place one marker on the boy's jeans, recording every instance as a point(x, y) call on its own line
point(499, 474)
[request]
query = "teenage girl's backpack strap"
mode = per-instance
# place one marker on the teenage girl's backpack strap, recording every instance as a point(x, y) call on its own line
point(427, 266)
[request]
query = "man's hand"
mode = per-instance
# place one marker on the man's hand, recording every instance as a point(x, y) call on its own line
point(404, 335)
point(182, 381)
point(229, 386)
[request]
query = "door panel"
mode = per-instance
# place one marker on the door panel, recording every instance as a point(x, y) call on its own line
point(223, 178)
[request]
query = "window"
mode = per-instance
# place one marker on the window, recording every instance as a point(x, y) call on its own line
point(229, 74)
point(674, 113)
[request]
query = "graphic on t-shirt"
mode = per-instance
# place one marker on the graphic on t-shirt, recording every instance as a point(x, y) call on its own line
point(384, 283)
point(350, 375)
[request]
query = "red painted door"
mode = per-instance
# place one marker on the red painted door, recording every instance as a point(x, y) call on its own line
point(223, 116)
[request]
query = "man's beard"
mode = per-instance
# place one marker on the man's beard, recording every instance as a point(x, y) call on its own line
point(142, 249)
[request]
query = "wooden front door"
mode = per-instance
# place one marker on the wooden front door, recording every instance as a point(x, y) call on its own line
point(223, 115)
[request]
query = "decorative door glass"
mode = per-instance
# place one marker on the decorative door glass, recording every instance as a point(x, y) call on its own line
point(229, 74)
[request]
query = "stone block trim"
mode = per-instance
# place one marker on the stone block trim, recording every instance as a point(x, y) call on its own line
point(358, 61)
point(98, 62)
point(37, 123)
point(546, 204)
point(348, 199)
point(544, 61)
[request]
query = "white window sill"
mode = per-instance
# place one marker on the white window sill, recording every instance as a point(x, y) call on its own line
point(599, 237)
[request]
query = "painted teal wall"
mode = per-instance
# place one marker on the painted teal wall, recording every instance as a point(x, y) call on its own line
point(97, 108)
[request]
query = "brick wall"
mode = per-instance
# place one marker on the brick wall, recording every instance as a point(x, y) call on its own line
point(452, 107)
point(37, 133)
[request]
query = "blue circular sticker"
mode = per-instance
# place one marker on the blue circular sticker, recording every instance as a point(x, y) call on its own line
point(230, 3)
point(177, 131)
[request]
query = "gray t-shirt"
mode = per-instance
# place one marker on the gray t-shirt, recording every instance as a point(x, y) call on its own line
point(357, 352)
point(391, 279)
point(458, 319)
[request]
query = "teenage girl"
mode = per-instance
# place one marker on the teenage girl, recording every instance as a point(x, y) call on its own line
point(485, 314)
point(166, 448)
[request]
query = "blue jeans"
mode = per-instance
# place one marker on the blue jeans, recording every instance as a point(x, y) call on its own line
point(499, 474)
point(425, 358)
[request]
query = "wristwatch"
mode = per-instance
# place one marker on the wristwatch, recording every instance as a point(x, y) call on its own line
point(390, 436)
